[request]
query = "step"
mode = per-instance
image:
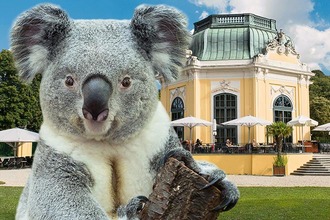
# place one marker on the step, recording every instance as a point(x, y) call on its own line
point(314, 162)
point(315, 166)
point(313, 170)
point(310, 174)
point(310, 165)
point(318, 166)
point(321, 160)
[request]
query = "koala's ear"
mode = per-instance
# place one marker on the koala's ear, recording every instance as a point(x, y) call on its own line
point(162, 35)
point(35, 37)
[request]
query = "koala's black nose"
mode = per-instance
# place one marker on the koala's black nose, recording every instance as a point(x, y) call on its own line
point(96, 93)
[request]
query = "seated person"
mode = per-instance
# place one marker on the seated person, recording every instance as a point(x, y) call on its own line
point(228, 143)
point(254, 143)
point(198, 146)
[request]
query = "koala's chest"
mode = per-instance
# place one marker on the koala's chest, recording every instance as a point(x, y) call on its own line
point(120, 177)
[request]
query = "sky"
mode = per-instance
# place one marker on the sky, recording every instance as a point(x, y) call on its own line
point(306, 22)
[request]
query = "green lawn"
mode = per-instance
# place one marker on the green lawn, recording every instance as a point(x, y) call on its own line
point(256, 203)
point(8, 201)
point(281, 203)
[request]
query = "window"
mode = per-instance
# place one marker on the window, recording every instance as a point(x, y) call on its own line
point(283, 111)
point(177, 110)
point(225, 109)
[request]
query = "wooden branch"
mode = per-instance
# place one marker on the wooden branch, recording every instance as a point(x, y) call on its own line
point(177, 194)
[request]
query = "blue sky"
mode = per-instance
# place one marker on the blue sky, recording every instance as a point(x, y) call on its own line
point(307, 22)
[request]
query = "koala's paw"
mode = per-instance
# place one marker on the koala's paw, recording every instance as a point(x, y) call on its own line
point(182, 155)
point(217, 178)
point(133, 208)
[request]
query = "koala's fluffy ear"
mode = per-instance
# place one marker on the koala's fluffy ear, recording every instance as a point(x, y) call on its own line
point(162, 35)
point(35, 37)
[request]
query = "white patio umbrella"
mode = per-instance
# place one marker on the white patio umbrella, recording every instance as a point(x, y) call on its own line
point(191, 122)
point(302, 121)
point(248, 121)
point(324, 127)
point(14, 136)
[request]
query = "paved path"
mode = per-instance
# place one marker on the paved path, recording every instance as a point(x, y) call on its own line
point(19, 177)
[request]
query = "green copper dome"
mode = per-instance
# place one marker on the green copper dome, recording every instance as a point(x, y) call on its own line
point(232, 36)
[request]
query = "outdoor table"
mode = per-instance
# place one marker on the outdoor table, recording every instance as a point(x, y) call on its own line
point(266, 148)
point(301, 146)
point(235, 148)
point(23, 163)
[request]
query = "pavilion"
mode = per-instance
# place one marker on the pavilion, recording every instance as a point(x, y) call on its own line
point(239, 65)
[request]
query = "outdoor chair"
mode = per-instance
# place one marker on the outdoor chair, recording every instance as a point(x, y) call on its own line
point(29, 161)
point(19, 163)
point(326, 148)
point(11, 163)
point(5, 162)
point(321, 147)
point(289, 148)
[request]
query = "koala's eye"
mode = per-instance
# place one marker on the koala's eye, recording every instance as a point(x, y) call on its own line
point(69, 81)
point(126, 82)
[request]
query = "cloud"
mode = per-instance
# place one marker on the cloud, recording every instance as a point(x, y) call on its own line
point(219, 5)
point(293, 16)
point(312, 44)
point(203, 15)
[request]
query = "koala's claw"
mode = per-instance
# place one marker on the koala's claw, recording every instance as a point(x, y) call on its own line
point(211, 183)
point(225, 205)
point(217, 178)
point(184, 156)
point(142, 203)
point(133, 208)
point(229, 194)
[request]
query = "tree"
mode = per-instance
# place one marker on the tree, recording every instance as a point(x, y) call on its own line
point(320, 109)
point(279, 130)
point(19, 102)
point(320, 86)
point(319, 93)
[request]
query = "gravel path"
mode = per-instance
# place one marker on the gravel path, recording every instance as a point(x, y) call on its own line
point(19, 177)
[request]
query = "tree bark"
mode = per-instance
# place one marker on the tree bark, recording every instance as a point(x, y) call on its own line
point(177, 194)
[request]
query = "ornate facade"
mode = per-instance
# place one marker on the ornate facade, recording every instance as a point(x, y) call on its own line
point(240, 65)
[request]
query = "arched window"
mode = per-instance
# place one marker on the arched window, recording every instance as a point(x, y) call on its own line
point(177, 110)
point(282, 109)
point(225, 109)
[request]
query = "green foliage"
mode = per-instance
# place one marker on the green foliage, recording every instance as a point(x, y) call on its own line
point(280, 161)
point(319, 93)
point(320, 86)
point(320, 109)
point(6, 150)
point(19, 102)
point(279, 130)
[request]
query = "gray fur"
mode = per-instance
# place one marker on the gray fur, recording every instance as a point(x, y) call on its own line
point(87, 166)
point(56, 177)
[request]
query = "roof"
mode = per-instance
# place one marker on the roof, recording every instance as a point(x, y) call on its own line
point(232, 36)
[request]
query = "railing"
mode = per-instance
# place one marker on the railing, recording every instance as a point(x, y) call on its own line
point(235, 19)
point(248, 148)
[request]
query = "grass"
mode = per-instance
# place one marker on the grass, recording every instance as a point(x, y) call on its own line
point(256, 203)
point(8, 201)
point(281, 203)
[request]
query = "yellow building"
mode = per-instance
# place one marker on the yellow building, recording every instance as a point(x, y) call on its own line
point(239, 65)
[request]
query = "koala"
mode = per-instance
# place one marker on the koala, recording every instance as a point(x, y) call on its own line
point(104, 135)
